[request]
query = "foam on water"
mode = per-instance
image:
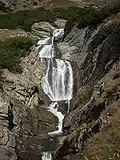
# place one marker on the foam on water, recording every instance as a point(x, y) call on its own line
point(53, 108)
point(46, 156)
point(57, 82)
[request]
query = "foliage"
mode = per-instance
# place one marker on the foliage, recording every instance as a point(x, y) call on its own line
point(82, 16)
point(26, 18)
point(11, 50)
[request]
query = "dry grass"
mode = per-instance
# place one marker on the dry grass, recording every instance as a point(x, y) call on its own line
point(105, 145)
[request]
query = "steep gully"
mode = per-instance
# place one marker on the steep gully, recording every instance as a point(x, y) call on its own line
point(58, 81)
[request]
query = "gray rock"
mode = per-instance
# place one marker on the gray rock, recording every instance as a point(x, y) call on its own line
point(42, 29)
point(60, 23)
point(24, 119)
point(95, 59)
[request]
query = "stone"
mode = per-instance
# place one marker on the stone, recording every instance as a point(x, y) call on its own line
point(24, 120)
point(66, 50)
point(42, 29)
point(60, 23)
point(94, 111)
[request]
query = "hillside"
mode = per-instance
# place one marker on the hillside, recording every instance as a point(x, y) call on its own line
point(91, 44)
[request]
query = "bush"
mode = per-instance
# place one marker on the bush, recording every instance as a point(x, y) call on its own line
point(94, 16)
point(11, 50)
point(74, 15)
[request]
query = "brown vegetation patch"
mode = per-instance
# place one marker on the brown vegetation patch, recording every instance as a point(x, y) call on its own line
point(6, 33)
point(59, 4)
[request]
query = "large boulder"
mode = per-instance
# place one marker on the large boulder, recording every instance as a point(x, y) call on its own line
point(42, 29)
point(45, 29)
point(60, 23)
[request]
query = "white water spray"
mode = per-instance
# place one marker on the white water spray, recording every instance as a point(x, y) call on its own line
point(58, 81)
point(46, 156)
point(53, 108)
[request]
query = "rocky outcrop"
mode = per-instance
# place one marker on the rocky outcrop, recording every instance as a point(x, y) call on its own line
point(20, 5)
point(94, 52)
point(44, 29)
point(25, 120)
point(30, 4)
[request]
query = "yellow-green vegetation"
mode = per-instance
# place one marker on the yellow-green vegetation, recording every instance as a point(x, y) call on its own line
point(105, 145)
point(111, 85)
point(76, 132)
point(11, 50)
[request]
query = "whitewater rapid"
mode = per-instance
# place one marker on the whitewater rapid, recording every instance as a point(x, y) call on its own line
point(58, 81)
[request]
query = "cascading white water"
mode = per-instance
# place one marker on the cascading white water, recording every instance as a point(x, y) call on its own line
point(46, 156)
point(53, 108)
point(58, 81)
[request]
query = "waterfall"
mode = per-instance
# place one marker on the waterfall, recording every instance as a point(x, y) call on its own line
point(46, 156)
point(57, 82)
point(53, 108)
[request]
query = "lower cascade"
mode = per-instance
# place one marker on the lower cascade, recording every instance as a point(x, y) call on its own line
point(57, 82)
point(53, 108)
point(46, 156)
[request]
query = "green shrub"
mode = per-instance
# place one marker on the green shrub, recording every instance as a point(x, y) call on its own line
point(11, 50)
point(74, 15)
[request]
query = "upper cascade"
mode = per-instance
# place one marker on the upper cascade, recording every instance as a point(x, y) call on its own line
point(58, 81)
point(46, 46)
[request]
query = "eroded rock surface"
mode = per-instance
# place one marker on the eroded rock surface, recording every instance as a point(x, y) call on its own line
point(24, 119)
point(94, 113)
point(95, 54)
point(30, 4)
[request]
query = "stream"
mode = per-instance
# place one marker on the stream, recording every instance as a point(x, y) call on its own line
point(57, 82)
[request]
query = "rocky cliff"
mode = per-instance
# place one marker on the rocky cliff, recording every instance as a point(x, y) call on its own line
point(24, 118)
point(91, 129)
point(30, 4)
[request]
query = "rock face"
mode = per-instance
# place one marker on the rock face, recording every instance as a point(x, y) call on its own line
point(92, 126)
point(30, 4)
point(44, 29)
point(94, 52)
point(20, 5)
point(24, 119)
